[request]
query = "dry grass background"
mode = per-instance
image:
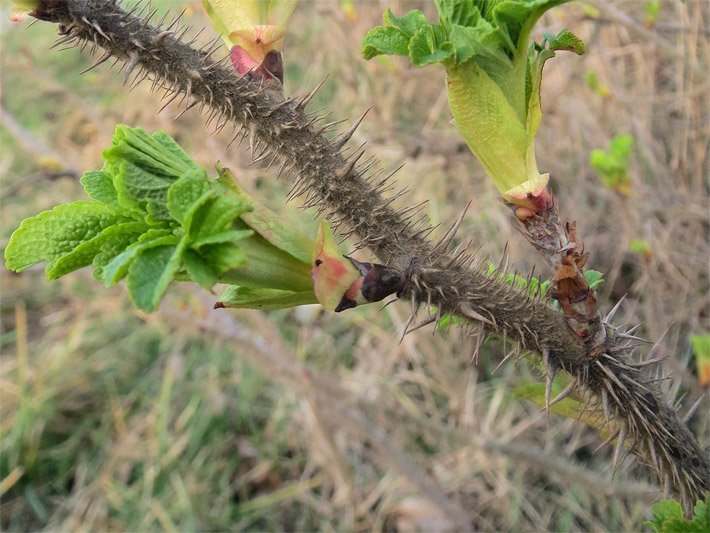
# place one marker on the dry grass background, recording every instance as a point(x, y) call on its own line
point(198, 419)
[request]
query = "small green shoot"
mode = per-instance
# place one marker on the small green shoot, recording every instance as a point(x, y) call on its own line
point(701, 349)
point(642, 248)
point(612, 166)
point(595, 84)
point(653, 8)
point(155, 217)
point(589, 10)
point(668, 517)
point(493, 73)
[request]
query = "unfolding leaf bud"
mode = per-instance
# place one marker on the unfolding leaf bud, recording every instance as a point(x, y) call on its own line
point(254, 30)
point(22, 8)
point(341, 282)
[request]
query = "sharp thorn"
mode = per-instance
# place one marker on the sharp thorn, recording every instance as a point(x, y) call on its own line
point(610, 315)
point(343, 138)
point(693, 408)
point(170, 100)
point(619, 448)
point(103, 59)
point(562, 395)
point(410, 319)
point(510, 354)
point(423, 323)
point(187, 108)
point(130, 65)
point(605, 405)
point(451, 232)
point(252, 139)
point(607, 441)
point(467, 311)
point(304, 101)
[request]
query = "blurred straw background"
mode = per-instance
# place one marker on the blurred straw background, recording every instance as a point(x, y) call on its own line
point(194, 419)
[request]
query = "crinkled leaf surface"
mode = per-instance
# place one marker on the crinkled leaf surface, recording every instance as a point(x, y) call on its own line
point(155, 217)
point(117, 268)
point(99, 186)
point(85, 252)
point(151, 273)
point(51, 234)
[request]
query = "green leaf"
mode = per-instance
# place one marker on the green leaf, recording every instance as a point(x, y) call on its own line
point(387, 41)
point(668, 517)
point(594, 278)
point(222, 237)
point(224, 256)
point(217, 215)
point(461, 12)
point(175, 150)
point(667, 510)
point(447, 321)
point(150, 274)
point(141, 189)
point(109, 250)
point(516, 18)
point(187, 191)
point(620, 146)
point(264, 299)
point(85, 253)
point(154, 154)
point(701, 346)
point(272, 227)
point(99, 186)
point(569, 407)
point(640, 246)
point(612, 167)
point(489, 124)
point(117, 268)
point(268, 267)
point(479, 43)
point(702, 508)
point(407, 25)
point(54, 233)
point(653, 8)
point(701, 349)
point(199, 270)
point(423, 48)
point(566, 40)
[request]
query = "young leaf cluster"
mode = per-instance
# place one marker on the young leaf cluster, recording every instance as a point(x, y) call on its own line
point(155, 216)
point(668, 517)
point(493, 71)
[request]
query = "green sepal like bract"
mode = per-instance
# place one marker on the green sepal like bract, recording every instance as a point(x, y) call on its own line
point(493, 72)
point(257, 26)
point(154, 217)
point(265, 299)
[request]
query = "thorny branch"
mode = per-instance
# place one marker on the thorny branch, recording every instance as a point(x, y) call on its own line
point(346, 188)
